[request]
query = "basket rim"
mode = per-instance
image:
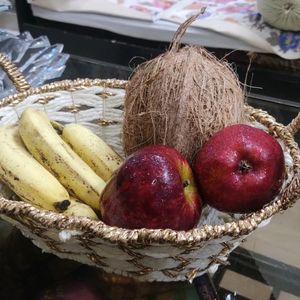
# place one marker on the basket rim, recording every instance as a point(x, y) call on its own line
point(26, 212)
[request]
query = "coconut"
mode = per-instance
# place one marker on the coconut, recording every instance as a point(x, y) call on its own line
point(180, 99)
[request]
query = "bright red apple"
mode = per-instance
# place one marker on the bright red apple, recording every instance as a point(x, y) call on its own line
point(239, 169)
point(154, 188)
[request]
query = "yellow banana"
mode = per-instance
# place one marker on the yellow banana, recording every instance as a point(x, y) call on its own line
point(55, 155)
point(26, 177)
point(79, 209)
point(92, 149)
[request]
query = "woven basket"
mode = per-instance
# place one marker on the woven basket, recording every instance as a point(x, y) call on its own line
point(146, 255)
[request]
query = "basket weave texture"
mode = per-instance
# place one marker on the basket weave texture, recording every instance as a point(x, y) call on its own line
point(147, 255)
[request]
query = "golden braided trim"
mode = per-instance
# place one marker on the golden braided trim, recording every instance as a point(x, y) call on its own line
point(14, 74)
point(65, 85)
point(294, 125)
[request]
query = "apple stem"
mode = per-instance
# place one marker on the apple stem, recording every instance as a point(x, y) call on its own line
point(244, 166)
point(186, 183)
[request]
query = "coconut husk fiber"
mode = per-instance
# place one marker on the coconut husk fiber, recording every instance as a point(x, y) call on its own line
point(180, 99)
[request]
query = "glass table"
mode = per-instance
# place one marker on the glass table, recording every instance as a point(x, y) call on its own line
point(27, 273)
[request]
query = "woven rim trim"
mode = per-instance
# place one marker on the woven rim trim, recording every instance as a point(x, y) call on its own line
point(14, 74)
point(195, 236)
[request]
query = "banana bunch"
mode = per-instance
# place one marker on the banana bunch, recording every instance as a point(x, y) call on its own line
point(62, 172)
point(31, 181)
point(51, 151)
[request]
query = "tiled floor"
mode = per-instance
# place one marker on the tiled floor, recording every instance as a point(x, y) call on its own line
point(245, 286)
point(280, 239)
point(286, 296)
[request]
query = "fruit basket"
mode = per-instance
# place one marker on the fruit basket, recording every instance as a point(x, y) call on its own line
point(146, 255)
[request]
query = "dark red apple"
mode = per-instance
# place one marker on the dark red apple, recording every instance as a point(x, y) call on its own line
point(239, 169)
point(154, 188)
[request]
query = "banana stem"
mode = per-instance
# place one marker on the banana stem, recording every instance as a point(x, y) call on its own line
point(62, 205)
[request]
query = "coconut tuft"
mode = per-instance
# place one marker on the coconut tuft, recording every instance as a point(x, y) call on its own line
point(180, 99)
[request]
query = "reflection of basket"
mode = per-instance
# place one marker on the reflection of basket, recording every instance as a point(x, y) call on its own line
point(163, 255)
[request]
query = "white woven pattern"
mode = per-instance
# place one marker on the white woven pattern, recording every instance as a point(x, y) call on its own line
point(159, 258)
point(92, 107)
